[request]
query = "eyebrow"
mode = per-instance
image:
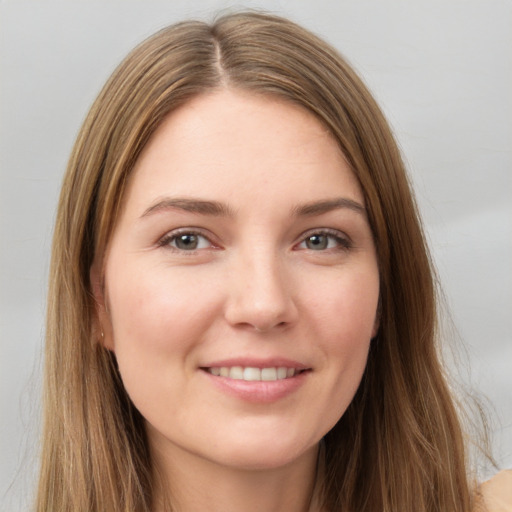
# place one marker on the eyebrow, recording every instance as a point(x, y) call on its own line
point(198, 206)
point(324, 206)
point(218, 209)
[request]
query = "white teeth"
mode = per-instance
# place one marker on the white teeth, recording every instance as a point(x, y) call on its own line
point(236, 372)
point(282, 373)
point(268, 374)
point(253, 374)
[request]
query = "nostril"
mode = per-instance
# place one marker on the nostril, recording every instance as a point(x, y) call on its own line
point(269, 327)
point(262, 304)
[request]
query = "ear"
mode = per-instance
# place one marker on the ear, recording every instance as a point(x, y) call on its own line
point(102, 326)
point(376, 323)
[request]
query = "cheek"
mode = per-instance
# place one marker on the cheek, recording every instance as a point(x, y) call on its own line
point(156, 305)
point(346, 306)
point(356, 319)
point(345, 318)
point(158, 318)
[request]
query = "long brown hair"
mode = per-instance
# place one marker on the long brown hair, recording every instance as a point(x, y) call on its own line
point(399, 446)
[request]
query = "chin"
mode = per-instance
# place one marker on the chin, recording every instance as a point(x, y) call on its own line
point(254, 456)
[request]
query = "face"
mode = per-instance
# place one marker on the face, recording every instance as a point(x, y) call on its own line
point(241, 284)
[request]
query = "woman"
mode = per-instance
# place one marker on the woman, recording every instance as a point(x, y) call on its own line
point(242, 306)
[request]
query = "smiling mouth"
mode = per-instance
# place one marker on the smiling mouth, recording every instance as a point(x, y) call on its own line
point(254, 374)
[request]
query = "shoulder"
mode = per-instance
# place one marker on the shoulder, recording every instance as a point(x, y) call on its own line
point(495, 495)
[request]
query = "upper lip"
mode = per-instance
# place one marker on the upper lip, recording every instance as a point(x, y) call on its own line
point(248, 362)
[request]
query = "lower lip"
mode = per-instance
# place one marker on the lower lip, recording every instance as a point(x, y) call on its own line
point(258, 391)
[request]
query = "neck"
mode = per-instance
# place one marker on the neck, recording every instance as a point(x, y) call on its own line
point(197, 484)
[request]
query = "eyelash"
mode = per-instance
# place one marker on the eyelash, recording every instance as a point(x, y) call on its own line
point(167, 239)
point(342, 241)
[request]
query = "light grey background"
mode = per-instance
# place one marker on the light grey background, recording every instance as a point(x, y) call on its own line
point(442, 71)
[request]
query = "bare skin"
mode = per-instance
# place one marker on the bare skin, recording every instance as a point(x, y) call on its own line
point(239, 294)
point(221, 488)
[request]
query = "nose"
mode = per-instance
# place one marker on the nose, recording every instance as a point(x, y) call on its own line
point(260, 293)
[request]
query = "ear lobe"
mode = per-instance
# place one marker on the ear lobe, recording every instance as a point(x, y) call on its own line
point(376, 323)
point(376, 326)
point(102, 327)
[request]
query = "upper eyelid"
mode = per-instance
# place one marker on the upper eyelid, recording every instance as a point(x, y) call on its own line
point(169, 235)
point(173, 233)
point(343, 239)
point(325, 231)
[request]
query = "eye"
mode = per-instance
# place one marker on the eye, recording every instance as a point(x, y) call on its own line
point(185, 241)
point(324, 240)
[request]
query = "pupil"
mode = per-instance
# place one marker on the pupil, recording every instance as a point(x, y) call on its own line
point(186, 242)
point(317, 242)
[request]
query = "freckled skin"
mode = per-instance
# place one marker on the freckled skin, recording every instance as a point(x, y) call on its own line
point(256, 286)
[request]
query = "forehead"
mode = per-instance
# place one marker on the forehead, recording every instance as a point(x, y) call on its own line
point(233, 145)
